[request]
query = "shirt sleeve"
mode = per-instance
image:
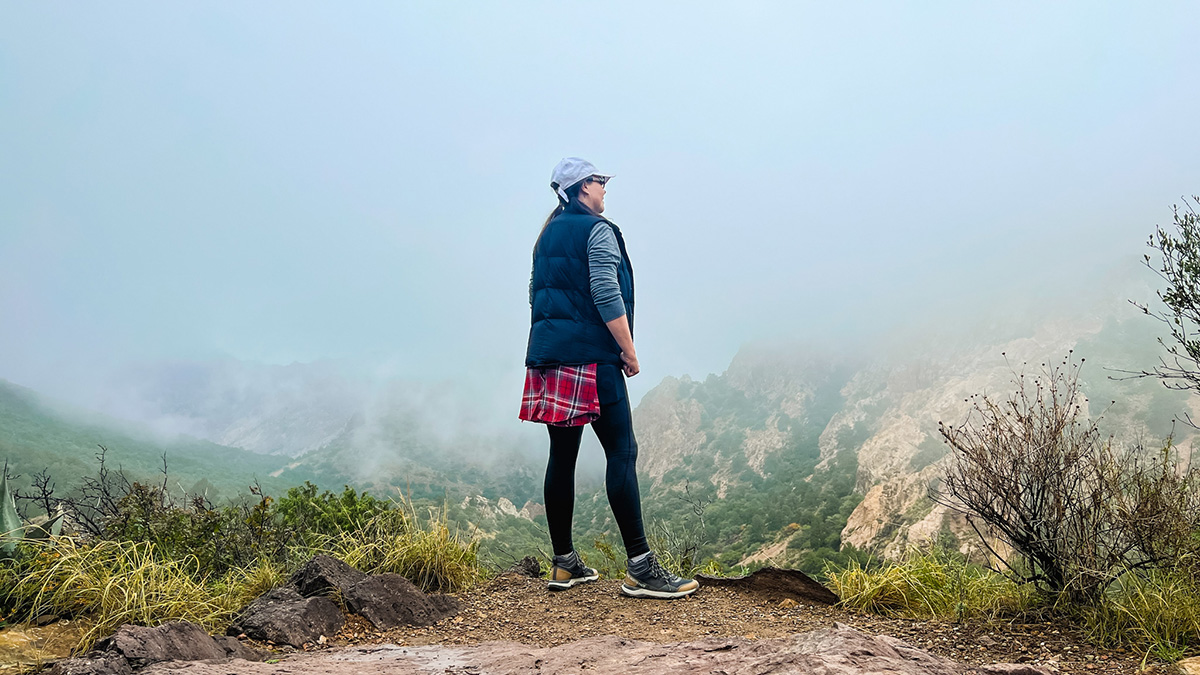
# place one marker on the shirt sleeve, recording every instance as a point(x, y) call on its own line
point(603, 258)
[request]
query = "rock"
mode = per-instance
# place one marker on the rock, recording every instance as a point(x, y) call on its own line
point(533, 509)
point(776, 584)
point(324, 575)
point(282, 616)
point(236, 649)
point(92, 663)
point(390, 600)
point(831, 651)
point(174, 641)
point(528, 566)
point(133, 647)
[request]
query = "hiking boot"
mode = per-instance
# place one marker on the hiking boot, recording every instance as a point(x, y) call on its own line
point(569, 570)
point(647, 579)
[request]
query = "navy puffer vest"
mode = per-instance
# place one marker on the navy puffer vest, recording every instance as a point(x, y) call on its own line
point(566, 328)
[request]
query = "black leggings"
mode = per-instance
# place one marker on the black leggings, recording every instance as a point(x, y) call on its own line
point(615, 431)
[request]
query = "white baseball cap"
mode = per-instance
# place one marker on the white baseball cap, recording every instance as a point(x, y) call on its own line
point(570, 171)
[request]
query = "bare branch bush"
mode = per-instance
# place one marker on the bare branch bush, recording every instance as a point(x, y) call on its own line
point(1034, 472)
point(97, 499)
point(43, 492)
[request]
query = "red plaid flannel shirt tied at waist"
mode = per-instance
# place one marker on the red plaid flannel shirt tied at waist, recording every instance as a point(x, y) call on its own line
point(562, 396)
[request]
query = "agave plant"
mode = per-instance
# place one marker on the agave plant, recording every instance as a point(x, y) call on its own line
point(13, 531)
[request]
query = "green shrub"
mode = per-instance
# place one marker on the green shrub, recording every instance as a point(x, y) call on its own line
point(305, 511)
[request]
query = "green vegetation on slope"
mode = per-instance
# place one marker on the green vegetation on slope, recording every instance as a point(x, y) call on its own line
point(791, 498)
point(36, 435)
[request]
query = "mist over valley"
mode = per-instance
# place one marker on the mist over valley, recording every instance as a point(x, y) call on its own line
point(789, 455)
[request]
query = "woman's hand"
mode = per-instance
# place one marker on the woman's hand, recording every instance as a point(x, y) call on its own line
point(630, 364)
point(619, 327)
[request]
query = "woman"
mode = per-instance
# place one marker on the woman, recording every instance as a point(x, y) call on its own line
point(580, 350)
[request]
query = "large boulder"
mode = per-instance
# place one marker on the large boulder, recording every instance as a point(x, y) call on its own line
point(325, 575)
point(390, 600)
point(386, 600)
point(282, 616)
point(174, 641)
point(133, 647)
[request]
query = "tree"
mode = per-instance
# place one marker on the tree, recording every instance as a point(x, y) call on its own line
point(1178, 264)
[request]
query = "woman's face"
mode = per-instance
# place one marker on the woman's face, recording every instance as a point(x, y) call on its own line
point(591, 193)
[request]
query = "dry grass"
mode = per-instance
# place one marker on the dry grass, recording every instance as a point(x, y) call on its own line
point(930, 584)
point(120, 582)
point(1157, 611)
point(425, 550)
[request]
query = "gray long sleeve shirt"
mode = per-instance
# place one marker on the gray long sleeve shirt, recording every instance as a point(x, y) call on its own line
point(604, 255)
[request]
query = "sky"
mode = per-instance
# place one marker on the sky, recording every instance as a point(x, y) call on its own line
point(298, 182)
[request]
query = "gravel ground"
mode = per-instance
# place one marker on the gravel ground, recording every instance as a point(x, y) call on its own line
point(520, 609)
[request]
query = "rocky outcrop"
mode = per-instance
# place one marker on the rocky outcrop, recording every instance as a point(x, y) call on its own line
point(529, 566)
point(839, 650)
point(174, 641)
point(301, 612)
point(135, 647)
point(390, 600)
point(490, 511)
point(325, 575)
point(283, 616)
point(774, 584)
point(668, 422)
point(732, 430)
point(902, 457)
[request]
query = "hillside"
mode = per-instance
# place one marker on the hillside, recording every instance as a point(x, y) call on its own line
point(39, 434)
point(392, 446)
point(798, 454)
point(268, 409)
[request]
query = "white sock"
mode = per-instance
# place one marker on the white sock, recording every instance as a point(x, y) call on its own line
point(637, 559)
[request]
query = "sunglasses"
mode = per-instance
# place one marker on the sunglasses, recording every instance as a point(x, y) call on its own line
point(598, 179)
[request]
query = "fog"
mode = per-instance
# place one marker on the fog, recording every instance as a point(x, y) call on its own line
point(274, 183)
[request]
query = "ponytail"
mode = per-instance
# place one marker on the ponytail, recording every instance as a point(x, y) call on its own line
point(567, 199)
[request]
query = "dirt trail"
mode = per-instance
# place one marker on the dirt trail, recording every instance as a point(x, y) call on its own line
point(519, 609)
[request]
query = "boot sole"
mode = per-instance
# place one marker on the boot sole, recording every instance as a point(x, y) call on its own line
point(647, 593)
point(564, 585)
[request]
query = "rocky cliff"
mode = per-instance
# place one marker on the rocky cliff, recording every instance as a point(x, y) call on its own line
point(776, 406)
